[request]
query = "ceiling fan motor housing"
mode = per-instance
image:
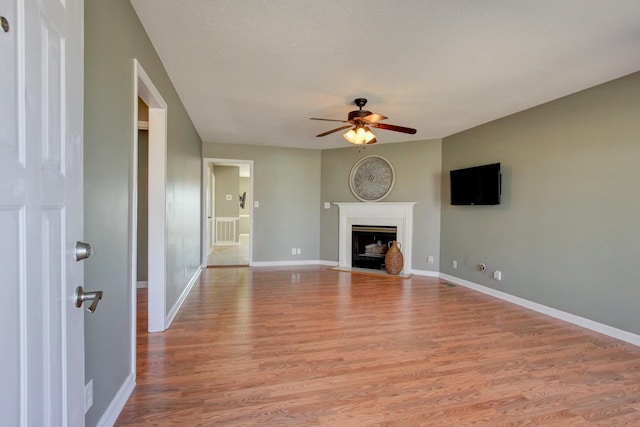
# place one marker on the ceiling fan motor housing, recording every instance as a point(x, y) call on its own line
point(359, 114)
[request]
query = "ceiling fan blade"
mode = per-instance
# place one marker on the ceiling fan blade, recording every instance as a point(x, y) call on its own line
point(394, 128)
point(374, 118)
point(330, 120)
point(334, 130)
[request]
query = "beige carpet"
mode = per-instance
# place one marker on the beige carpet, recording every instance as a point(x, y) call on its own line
point(231, 254)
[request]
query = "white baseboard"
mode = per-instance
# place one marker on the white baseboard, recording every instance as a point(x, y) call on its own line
point(114, 409)
point(176, 307)
point(291, 263)
point(610, 331)
point(425, 273)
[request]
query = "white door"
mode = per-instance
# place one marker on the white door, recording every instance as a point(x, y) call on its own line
point(42, 332)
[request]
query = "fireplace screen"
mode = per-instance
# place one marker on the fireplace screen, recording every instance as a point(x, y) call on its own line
point(370, 245)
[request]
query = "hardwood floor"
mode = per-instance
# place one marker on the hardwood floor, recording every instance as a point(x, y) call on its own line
point(315, 347)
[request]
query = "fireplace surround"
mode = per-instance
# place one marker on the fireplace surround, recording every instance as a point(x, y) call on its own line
point(394, 214)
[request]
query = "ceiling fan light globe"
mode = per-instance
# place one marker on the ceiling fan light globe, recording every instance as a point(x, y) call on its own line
point(368, 136)
point(350, 136)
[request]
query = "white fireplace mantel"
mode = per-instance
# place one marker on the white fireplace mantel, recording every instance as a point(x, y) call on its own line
point(394, 214)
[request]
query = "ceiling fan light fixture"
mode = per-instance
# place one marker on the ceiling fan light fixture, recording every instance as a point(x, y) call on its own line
point(360, 135)
point(369, 137)
point(350, 136)
point(360, 119)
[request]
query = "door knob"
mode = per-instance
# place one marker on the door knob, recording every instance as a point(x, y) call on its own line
point(82, 296)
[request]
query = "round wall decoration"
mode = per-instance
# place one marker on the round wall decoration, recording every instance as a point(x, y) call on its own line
point(371, 178)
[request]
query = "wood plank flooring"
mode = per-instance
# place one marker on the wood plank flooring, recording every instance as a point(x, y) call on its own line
point(315, 347)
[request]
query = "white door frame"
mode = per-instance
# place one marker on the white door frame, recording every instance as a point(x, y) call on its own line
point(210, 205)
point(207, 162)
point(146, 90)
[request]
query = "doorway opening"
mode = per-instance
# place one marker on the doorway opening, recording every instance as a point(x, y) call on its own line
point(227, 212)
point(148, 101)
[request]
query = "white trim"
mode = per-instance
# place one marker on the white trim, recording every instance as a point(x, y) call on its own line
point(398, 214)
point(286, 263)
point(426, 273)
point(293, 263)
point(157, 246)
point(145, 89)
point(176, 307)
point(620, 334)
point(116, 406)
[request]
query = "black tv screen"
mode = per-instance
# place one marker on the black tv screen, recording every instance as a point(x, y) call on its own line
point(479, 185)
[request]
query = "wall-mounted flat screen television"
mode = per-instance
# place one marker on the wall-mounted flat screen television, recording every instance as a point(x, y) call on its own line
point(479, 185)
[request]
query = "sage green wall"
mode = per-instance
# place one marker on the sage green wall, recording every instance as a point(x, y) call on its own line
point(245, 187)
point(227, 182)
point(113, 38)
point(418, 170)
point(287, 185)
point(143, 206)
point(567, 234)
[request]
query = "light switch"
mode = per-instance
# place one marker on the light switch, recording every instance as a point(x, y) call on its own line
point(327, 205)
point(256, 204)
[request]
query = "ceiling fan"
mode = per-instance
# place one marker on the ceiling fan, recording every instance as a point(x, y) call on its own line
point(361, 121)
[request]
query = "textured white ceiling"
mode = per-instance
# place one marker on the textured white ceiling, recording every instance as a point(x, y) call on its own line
point(255, 71)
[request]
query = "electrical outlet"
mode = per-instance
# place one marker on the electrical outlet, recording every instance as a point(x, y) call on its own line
point(429, 259)
point(455, 263)
point(298, 251)
point(497, 275)
point(293, 251)
point(327, 205)
point(88, 396)
point(256, 204)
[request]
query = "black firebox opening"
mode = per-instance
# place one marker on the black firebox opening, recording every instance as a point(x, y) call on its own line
point(370, 244)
